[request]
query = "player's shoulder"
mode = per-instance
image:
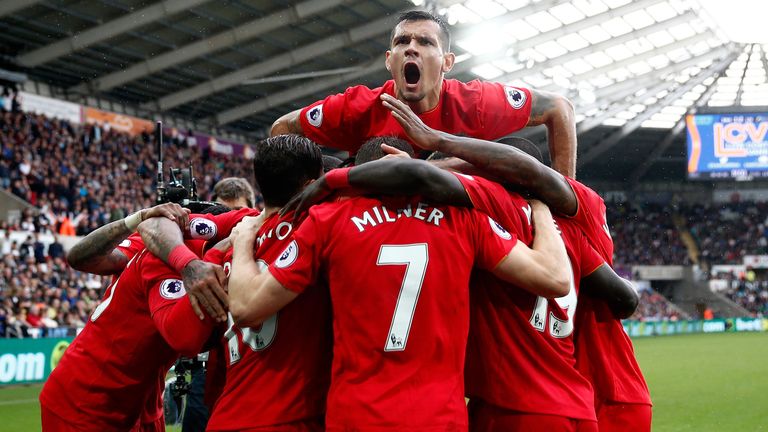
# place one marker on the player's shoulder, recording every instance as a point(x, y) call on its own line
point(581, 190)
point(362, 93)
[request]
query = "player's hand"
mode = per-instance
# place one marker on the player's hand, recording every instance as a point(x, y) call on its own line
point(204, 283)
point(171, 211)
point(421, 134)
point(247, 228)
point(394, 153)
point(316, 192)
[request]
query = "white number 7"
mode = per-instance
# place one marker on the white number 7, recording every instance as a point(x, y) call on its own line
point(415, 257)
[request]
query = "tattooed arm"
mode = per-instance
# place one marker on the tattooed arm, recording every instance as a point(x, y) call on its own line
point(287, 124)
point(556, 112)
point(96, 253)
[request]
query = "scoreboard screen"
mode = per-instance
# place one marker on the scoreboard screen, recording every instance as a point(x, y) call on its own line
point(727, 146)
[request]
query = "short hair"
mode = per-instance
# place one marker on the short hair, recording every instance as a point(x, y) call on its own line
point(371, 150)
point(421, 15)
point(283, 164)
point(331, 162)
point(234, 188)
point(523, 145)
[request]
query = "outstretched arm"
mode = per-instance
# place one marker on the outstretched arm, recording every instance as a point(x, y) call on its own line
point(556, 113)
point(497, 160)
point(96, 253)
point(396, 176)
point(618, 292)
point(542, 269)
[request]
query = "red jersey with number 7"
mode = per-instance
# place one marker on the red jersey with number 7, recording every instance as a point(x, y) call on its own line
point(604, 352)
point(279, 372)
point(398, 274)
point(520, 354)
point(118, 362)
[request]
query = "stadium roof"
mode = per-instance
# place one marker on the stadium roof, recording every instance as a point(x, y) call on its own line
point(237, 65)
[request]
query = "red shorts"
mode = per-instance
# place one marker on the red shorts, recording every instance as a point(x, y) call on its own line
point(155, 426)
point(621, 417)
point(316, 425)
point(53, 423)
point(484, 417)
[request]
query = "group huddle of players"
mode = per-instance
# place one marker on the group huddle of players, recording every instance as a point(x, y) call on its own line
point(376, 297)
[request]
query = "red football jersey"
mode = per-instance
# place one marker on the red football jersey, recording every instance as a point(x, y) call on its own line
point(520, 354)
point(604, 351)
point(131, 246)
point(118, 362)
point(398, 276)
point(485, 110)
point(278, 373)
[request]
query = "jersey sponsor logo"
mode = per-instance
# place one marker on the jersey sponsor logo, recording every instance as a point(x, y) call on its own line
point(201, 228)
point(172, 289)
point(125, 243)
point(499, 230)
point(288, 256)
point(515, 97)
point(315, 115)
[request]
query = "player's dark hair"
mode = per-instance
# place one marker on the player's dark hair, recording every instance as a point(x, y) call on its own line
point(234, 188)
point(331, 162)
point(371, 150)
point(523, 145)
point(283, 164)
point(215, 209)
point(421, 15)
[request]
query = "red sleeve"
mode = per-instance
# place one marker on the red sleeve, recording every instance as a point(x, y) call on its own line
point(492, 199)
point(215, 256)
point(503, 109)
point(172, 312)
point(334, 121)
point(216, 227)
point(492, 241)
point(591, 218)
point(131, 245)
point(297, 266)
point(590, 259)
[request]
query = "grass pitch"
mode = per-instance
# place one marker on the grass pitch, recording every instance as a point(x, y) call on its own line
point(714, 382)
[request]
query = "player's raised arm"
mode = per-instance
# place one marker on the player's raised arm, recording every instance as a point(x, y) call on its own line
point(254, 295)
point(497, 160)
point(556, 113)
point(287, 124)
point(97, 252)
point(618, 292)
point(544, 269)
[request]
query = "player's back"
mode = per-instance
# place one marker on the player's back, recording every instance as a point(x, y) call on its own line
point(113, 366)
point(520, 354)
point(279, 372)
point(398, 274)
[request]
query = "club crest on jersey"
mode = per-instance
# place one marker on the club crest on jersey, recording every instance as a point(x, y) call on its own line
point(499, 230)
point(515, 97)
point(315, 115)
point(288, 256)
point(172, 289)
point(125, 243)
point(201, 228)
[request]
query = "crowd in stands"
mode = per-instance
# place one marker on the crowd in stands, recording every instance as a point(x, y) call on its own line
point(655, 307)
point(727, 232)
point(645, 234)
point(39, 290)
point(83, 176)
point(749, 290)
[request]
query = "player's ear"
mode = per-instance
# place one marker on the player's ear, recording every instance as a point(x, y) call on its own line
point(386, 59)
point(449, 59)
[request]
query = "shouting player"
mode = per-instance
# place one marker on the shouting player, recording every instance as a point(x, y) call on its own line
point(418, 59)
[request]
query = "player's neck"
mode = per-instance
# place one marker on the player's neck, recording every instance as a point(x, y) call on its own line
point(429, 101)
point(270, 210)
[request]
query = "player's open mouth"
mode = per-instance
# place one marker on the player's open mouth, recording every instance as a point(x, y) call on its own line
point(412, 73)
